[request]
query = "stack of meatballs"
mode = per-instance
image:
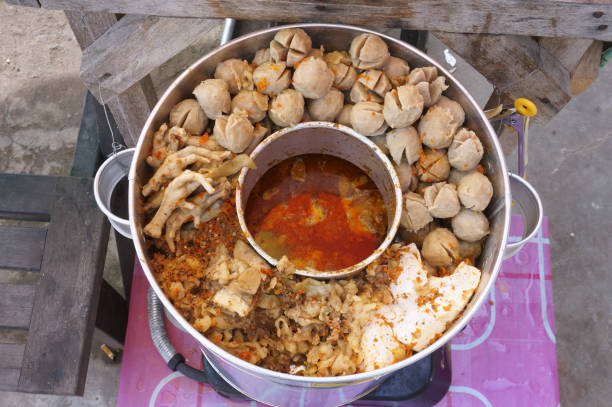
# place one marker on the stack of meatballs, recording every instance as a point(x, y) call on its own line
point(402, 110)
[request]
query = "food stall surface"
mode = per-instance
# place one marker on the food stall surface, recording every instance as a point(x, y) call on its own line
point(505, 356)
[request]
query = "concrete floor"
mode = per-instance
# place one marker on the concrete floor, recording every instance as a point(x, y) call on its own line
point(41, 99)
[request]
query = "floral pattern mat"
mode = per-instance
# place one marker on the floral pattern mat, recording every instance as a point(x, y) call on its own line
point(504, 357)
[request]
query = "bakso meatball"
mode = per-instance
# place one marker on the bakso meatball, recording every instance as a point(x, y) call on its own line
point(367, 119)
point(371, 85)
point(470, 226)
point(465, 152)
point(403, 106)
point(470, 250)
point(417, 237)
point(328, 107)
point(404, 173)
point(475, 191)
point(433, 166)
point(271, 78)
point(344, 72)
point(423, 74)
point(368, 51)
point(189, 115)
point(436, 87)
point(438, 125)
point(313, 78)
point(345, 115)
point(214, 97)
point(381, 142)
point(287, 108)
point(404, 142)
point(415, 214)
point(442, 200)
point(455, 175)
point(440, 247)
point(397, 71)
point(290, 45)
point(261, 57)
point(234, 132)
point(255, 104)
point(237, 73)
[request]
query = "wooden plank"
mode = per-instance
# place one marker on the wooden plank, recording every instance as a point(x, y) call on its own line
point(550, 18)
point(16, 305)
point(572, 62)
point(87, 156)
point(87, 27)
point(132, 107)
point(25, 3)
point(511, 63)
point(26, 197)
point(9, 379)
point(22, 247)
point(65, 305)
point(133, 47)
point(11, 355)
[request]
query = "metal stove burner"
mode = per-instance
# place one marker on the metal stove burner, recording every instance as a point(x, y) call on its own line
point(422, 384)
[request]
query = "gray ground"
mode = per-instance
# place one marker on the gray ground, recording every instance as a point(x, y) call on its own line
point(41, 99)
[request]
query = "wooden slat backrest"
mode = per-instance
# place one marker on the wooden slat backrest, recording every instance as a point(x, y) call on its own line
point(16, 305)
point(22, 247)
point(26, 197)
point(57, 350)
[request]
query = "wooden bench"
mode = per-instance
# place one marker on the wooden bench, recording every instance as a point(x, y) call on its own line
point(56, 233)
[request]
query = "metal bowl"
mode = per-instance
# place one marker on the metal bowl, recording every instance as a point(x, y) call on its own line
point(276, 388)
point(331, 139)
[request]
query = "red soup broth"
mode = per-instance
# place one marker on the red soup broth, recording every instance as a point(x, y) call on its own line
point(321, 211)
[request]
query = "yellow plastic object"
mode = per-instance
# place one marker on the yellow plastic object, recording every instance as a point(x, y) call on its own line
point(525, 107)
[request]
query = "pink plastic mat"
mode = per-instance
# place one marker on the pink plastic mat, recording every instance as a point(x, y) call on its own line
point(504, 357)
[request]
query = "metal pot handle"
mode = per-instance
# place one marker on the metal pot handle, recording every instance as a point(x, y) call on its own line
point(530, 205)
point(113, 170)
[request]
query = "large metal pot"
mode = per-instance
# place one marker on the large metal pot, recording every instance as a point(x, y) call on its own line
point(284, 389)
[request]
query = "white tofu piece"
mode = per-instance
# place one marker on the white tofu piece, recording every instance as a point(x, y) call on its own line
point(231, 301)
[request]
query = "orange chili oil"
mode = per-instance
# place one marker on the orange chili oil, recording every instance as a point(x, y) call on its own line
point(321, 211)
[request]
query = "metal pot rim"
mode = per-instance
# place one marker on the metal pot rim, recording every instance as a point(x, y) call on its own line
point(327, 381)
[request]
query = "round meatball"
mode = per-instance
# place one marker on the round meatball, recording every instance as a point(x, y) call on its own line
point(475, 191)
point(235, 132)
point(261, 57)
point(470, 250)
point(189, 115)
point(404, 173)
point(368, 51)
point(403, 106)
point(313, 78)
point(440, 247)
point(367, 119)
point(438, 125)
point(290, 45)
point(465, 152)
point(328, 107)
point(214, 97)
point(345, 115)
point(271, 78)
point(344, 72)
point(404, 142)
point(415, 214)
point(287, 108)
point(253, 103)
point(417, 237)
point(237, 73)
point(397, 71)
point(433, 166)
point(470, 226)
point(442, 200)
